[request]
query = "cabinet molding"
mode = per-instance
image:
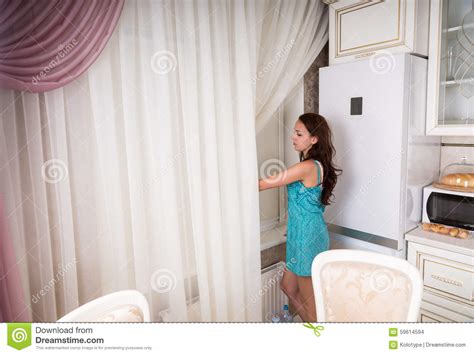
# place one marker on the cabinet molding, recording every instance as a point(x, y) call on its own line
point(437, 26)
point(447, 283)
point(395, 26)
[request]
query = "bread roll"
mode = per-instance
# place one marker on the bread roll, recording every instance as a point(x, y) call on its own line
point(460, 180)
point(436, 228)
point(426, 226)
point(453, 232)
point(444, 230)
point(439, 228)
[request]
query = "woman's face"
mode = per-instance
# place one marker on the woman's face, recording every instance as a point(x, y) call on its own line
point(302, 140)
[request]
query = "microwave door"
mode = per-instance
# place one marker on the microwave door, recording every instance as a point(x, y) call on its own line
point(452, 210)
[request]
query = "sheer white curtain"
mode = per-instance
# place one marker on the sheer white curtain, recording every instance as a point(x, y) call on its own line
point(297, 32)
point(142, 173)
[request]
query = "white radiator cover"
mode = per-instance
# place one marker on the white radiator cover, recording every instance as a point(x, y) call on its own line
point(273, 299)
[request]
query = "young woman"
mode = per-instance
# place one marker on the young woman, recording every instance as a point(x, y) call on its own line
point(309, 184)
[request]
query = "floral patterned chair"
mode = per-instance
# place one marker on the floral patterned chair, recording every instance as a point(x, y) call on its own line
point(122, 306)
point(362, 286)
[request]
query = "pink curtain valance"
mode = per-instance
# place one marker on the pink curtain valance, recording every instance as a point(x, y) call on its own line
point(45, 44)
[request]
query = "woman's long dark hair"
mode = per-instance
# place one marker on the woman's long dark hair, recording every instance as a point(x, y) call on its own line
point(323, 151)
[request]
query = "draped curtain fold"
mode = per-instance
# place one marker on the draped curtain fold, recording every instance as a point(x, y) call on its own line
point(46, 44)
point(142, 172)
point(297, 31)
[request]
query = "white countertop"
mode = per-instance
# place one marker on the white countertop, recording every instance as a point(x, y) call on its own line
point(441, 241)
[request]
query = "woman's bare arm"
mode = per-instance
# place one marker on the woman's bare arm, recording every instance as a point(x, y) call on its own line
point(295, 173)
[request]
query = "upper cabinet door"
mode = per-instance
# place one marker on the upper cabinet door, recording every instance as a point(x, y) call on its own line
point(450, 110)
point(358, 29)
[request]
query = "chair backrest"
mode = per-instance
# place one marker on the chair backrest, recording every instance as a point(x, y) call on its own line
point(363, 286)
point(122, 306)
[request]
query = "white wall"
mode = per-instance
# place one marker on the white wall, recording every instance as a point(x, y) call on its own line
point(451, 155)
point(267, 151)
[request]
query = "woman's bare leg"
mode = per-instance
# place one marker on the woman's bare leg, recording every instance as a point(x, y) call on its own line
point(300, 308)
point(289, 285)
point(305, 288)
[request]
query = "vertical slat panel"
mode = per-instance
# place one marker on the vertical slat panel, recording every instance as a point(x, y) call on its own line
point(273, 298)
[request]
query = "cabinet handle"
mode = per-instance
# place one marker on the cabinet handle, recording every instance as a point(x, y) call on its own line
point(446, 280)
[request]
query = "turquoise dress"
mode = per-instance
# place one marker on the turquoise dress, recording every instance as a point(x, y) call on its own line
point(307, 233)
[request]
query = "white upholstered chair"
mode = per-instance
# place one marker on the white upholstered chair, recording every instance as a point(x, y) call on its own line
point(121, 306)
point(362, 286)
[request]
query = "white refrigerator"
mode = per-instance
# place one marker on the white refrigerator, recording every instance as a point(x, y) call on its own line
point(376, 111)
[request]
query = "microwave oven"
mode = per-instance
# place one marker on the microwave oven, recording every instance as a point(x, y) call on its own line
point(450, 208)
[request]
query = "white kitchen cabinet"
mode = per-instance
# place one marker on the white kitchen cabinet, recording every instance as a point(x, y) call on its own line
point(358, 29)
point(447, 267)
point(450, 104)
